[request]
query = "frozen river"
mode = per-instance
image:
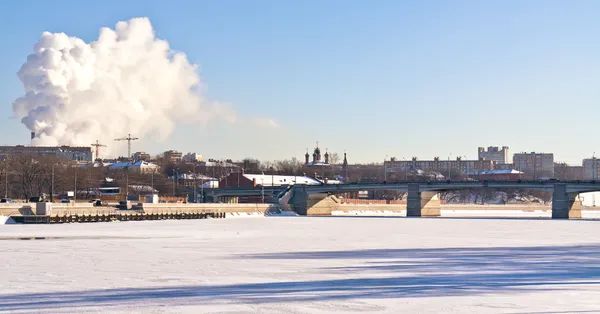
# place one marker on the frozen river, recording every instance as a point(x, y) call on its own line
point(303, 265)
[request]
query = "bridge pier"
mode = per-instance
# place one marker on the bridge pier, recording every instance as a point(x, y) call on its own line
point(422, 204)
point(298, 200)
point(317, 204)
point(565, 205)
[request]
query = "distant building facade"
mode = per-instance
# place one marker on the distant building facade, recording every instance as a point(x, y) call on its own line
point(83, 154)
point(590, 169)
point(457, 165)
point(141, 156)
point(173, 155)
point(192, 157)
point(562, 171)
point(535, 165)
point(495, 153)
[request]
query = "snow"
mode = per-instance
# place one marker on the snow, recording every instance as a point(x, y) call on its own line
point(590, 199)
point(303, 265)
point(133, 165)
point(269, 180)
point(501, 213)
point(385, 213)
point(465, 212)
point(245, 215)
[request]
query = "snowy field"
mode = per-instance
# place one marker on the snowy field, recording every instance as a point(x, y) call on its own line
point(303, 265)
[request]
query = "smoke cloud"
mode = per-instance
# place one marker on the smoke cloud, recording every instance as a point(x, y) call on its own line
point(127, 81)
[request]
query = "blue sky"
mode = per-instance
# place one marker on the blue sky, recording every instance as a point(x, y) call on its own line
point(396, 78)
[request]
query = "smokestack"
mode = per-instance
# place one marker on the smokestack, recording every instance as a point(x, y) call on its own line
point(32, 137)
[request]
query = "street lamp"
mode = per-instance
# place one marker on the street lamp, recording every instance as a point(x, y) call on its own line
point(75, 189)
point(467, 167)
point(384, 169)
point(126, 183)
point(262, 187)
point(405, 170)
point(534, 166)
point(52, 190)
point(6, 180)
point(202, 190)
point(520, 172)
point(272, 181)
point(195, 187)
point(175, 175)
point(449, 166)
point(594, 169)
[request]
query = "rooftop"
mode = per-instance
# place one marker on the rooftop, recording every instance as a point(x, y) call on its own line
point(270, 180)
point(496, 171)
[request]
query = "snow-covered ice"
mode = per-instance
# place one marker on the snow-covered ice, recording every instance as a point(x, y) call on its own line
point(303, 265)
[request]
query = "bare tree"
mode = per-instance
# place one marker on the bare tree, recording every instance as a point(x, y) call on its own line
point(334, 158)
point(288, 167)
point(31, 176)
point(250, 165)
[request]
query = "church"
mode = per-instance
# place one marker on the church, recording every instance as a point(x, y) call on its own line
point(318, 162)
point(316, 158)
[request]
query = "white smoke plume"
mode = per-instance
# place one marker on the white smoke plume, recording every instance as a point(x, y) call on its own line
point(127, 81)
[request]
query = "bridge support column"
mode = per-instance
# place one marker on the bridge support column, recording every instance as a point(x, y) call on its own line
point(565, 205)
point(318, 204)
point(298, 200)
point(422, 204)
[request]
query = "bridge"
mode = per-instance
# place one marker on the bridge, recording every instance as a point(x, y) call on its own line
point(423, 199)
point(245, 191)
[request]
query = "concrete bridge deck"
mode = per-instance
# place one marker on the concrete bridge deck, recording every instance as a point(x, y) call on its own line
point(542, 185)
point(423, 198)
